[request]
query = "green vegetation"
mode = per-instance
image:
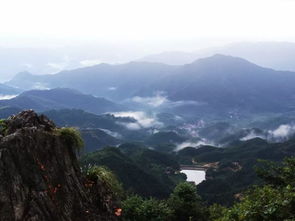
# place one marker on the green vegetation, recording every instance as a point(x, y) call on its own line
point(84, 120)
point(6, 111)
point(164, 138)
point(136, 208)
point(105, 176)
point(95, 139)
point(229, 181)
point(216, 211)
point(142, 171)
point(273, 201)
point(71, 137)
point(152, 188)
point(154, 174)
point(232, 170)
point(184, 204)
point(3, 127)
point(264, 203)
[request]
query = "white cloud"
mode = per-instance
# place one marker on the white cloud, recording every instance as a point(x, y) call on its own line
point(155, 101)
point(193, 144)
point(112, 133)
point(40, 86)
point(90, 62)
point(185, 102)
point(27, 65)
point(193, 128)
point(59, 66)
point(282, 132)
point(132, 126)
point(160, 99)
point(7, 97)
point(252, 135)
point(112, 88)
point(142, 120)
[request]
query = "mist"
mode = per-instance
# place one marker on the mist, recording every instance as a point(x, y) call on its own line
point(84, 33)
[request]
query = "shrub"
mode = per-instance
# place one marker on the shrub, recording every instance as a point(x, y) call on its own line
point(71, 137)
point(264, 204)
point(216, 212)
point(186, 203)
point(271, 202)
point(136, 208)
point(107, 177)
point(3, 127)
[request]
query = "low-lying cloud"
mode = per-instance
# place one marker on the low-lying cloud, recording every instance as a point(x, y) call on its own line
point(193, 144)
point(161, 100)
point(61, 65)
point(7, 97)
point(112, 133)
point(112, 88)
point(252, 135)
point(143, 120)
point(155, 101)
point(40, 86)
point(193, 128)
point(90, 62)
point(282, 133)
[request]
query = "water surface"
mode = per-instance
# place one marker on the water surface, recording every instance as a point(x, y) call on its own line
point(196, 176)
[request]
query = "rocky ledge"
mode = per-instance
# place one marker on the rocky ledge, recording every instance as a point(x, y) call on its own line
point(41, 178)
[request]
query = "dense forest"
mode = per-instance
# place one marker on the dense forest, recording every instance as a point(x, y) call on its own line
point(272, 198)
point(243, 183)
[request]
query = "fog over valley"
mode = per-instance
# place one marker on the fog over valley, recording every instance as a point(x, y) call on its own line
point(142, 110)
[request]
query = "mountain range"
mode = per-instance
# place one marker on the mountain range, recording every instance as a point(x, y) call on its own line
point(230, 83)
point(276, 55)
point(60, 98)
point(6, 90)
point(111, 81)
point(219, 83)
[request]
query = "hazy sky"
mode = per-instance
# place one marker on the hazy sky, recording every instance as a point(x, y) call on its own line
point(65, 34)
point(152, 22)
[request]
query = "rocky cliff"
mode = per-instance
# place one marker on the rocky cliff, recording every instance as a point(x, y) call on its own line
point(40, 178)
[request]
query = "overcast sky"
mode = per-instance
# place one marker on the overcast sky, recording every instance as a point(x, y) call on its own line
point(36, 22)
point(71, 33)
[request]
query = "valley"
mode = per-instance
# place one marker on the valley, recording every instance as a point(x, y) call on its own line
point(154, 126)
point(147, 110)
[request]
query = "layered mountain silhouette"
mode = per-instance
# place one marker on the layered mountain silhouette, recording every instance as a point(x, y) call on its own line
point(7, 90)
point(229, 82)
point(277, 55)
point(104, 80)
point(60, 98)
point(218, 82)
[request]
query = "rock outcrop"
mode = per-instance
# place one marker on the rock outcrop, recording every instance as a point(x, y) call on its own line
point(40, 178)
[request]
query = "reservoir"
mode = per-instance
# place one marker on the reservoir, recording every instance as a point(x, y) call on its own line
point(196, 176)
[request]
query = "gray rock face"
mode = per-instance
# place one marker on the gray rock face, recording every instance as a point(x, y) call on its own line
point(40, 178)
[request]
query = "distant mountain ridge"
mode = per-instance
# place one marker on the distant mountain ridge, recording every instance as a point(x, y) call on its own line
point(276, 55)
point(111, 81)
point(8, 90)
point(217, 83)
point(60, 98)
point(226, 82)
